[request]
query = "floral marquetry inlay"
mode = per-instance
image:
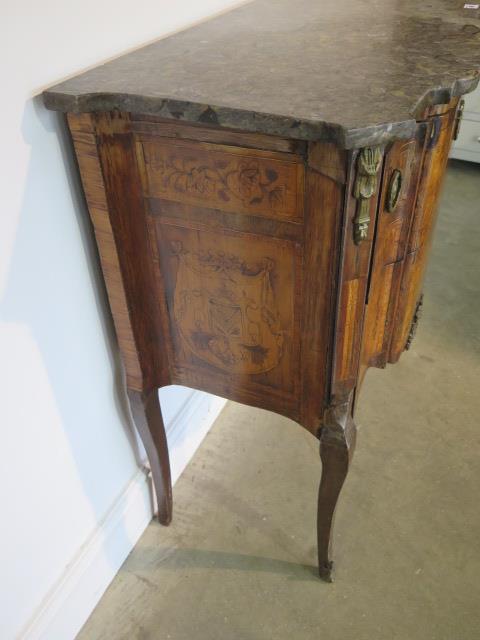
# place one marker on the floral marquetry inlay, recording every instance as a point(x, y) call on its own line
point(243, 182)
point(225, 178)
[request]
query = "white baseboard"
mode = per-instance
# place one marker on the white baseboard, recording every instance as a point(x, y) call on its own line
point(72, 599)
point(189, 428)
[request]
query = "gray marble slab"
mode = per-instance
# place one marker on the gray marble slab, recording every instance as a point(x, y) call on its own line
point(356, 72)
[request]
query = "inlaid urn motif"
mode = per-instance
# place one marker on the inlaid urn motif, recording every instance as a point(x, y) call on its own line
point(225, 311)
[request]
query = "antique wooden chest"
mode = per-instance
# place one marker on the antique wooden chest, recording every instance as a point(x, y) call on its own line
point(263, 191)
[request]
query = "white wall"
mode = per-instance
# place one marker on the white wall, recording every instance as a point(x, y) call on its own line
point(66, 450)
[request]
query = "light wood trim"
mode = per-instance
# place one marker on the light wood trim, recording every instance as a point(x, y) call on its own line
point(168, 129)
point(82, 130)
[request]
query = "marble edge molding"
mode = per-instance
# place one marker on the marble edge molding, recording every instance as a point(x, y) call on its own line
point(268, 123)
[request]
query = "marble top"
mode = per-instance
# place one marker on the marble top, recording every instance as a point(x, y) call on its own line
point(357, 72)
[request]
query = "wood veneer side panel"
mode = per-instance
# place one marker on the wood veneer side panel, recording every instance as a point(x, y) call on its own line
point(183, 234)
point(323, 215)
point(82, 131)
point(124, 193)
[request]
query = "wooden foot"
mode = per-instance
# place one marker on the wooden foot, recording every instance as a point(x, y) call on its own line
point(147, 416)
point(337, 443)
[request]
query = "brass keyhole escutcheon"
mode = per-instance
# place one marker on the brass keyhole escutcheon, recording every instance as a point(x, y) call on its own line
point(394, 189)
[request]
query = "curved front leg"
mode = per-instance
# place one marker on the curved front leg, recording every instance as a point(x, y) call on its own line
point(147, 416)
point(337, 444)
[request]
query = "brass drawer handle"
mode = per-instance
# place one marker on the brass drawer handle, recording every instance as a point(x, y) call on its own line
point(394, 190)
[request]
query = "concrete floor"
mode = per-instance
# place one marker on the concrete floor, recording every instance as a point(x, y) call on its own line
point(238, 562)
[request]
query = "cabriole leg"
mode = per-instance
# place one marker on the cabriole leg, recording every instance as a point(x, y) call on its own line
point(337, 443)
point(147, 416)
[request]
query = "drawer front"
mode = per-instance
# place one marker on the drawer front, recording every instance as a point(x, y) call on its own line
point(227, 178)
point(421, 232)
point(400, 180)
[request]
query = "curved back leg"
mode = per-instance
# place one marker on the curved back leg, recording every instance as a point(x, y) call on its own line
point(147, 416)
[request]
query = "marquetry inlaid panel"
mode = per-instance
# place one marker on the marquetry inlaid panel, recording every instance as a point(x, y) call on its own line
point(262, 183)
point(232, 304)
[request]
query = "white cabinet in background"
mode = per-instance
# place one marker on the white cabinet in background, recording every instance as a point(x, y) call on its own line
point(467, 145)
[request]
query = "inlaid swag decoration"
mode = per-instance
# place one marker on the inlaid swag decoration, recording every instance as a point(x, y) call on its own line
point(225, 310)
